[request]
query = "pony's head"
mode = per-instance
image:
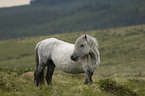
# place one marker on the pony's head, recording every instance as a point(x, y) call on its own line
point(83, 45)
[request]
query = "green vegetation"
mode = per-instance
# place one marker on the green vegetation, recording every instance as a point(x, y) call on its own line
point(121, 71)
point(56, 17)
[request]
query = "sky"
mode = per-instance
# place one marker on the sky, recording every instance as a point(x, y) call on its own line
point(10, 3)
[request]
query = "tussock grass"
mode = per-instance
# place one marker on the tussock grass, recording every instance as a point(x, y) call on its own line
point(112, 87)
point(64, 84)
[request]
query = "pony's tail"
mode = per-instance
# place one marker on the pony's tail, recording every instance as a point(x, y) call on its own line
point(38, 78)
point(36, 57)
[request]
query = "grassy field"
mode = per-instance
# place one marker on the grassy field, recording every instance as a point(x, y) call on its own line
point(122, 66)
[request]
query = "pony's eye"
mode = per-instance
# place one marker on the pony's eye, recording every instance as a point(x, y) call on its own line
point(82, 45)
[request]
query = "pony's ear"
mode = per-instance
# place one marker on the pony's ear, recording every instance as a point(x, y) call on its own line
point(86, 37)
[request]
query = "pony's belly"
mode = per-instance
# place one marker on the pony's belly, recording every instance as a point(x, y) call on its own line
point(70, 69)
point(62, 60)
point(73, 68)
point(67, 65)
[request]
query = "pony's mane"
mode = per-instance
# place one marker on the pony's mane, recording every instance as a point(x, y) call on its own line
point(92, 42)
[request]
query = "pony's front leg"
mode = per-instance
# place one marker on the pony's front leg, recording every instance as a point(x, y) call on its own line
point(88, 71)
point(88, 74)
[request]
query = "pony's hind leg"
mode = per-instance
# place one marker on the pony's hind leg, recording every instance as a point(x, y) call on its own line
point(50, 70)
point(39, 76)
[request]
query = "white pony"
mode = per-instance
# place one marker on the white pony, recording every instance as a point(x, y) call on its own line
point(83, 57)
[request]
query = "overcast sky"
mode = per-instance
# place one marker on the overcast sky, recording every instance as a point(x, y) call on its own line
point(9, 3)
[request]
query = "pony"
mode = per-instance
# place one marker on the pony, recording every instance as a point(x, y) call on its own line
point(81, 57)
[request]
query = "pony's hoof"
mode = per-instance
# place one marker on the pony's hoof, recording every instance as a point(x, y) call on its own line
point(86, 82)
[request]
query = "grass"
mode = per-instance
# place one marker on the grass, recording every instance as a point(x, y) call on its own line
point(12, 83)
point(122, 64)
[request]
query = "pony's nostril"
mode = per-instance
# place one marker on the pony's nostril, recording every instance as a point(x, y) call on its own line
point(74, 58)
point(71, 57)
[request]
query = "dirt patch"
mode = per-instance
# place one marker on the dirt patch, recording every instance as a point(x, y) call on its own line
point(29, 74)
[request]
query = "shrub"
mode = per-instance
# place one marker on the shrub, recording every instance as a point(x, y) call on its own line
point(112, 87)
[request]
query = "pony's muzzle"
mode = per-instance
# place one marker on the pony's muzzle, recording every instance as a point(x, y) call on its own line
point(74, 57)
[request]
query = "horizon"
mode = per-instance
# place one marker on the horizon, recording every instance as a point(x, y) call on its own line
point(12, 3)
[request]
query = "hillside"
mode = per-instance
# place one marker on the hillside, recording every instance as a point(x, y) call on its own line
point(122, 60)
point(69, 16)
